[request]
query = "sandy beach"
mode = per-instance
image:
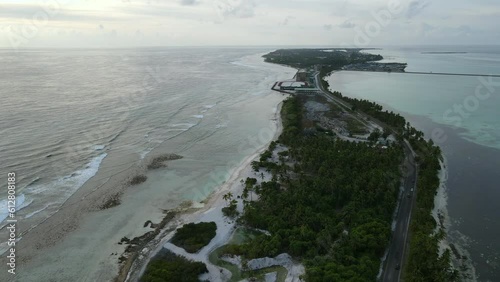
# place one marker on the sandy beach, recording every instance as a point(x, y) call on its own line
point(217, 140)
point(76, 224)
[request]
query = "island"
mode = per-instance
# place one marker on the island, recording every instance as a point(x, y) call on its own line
point(344, 193)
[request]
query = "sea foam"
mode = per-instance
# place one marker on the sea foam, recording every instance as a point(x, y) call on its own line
point(20, 204)
point(62, 188)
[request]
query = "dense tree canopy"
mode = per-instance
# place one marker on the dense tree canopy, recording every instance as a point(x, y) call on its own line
point(332, 208)
point(194, 236)
point(167, 267)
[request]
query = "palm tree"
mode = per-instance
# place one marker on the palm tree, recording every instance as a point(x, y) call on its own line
point(245, 193)
point(228, 196)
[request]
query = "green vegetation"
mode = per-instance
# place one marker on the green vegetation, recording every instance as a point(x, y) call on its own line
point(355, 126)
point(332, 209)
point(167, 267)
point(192, 237)
point(372, 109)
point(237, 274)
point(240, 236)
point(231, 209)
point(424, 262)
point(329, 61)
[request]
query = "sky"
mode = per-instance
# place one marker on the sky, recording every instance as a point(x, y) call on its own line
point(135, 23)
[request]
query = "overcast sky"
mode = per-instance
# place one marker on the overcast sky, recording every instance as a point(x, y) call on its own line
point(127, 23)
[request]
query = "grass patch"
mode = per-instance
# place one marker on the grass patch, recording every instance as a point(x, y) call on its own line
point(237, 274)
point(354, 126)
point(168, 267)
point(192, 237)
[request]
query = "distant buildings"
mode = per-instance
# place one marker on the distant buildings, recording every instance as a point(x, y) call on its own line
point(303, 84)
point(291, 85)
point(307, 90)
point(301, 75)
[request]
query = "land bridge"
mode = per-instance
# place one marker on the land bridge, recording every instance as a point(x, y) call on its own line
point(437, 73)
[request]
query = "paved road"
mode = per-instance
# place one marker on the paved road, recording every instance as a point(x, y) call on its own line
point(399, 242)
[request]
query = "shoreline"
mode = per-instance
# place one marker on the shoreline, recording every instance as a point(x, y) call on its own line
point(440, 210)
point(211, 211)
point(89, 237)
point(441, 215)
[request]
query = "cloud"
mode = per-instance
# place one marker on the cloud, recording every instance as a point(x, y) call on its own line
point(249, 22)
point(189, 2)
point(347, 24)
point(464, 30)
point(425, 29)
point(236, 8)
point(26, 12)
point(416, 7)
point(287, 20)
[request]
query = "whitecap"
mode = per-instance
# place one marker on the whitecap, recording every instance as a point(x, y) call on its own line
point(69, 183)
point(33, 182)
point(209, 106)
point(198, 116)
point(59, 190)
point(35, 212)
point(4, 246)
point(20, 204)
point(99, 147)
point(144, 153)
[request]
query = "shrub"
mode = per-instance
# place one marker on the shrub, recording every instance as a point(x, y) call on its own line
point(168, 267)
point(231, 210)
point(192, 237)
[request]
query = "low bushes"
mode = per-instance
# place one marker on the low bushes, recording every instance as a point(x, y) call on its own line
point(192, 237)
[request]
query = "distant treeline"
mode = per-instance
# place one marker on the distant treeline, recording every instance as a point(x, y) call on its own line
point(329, 61)
point(374, 110)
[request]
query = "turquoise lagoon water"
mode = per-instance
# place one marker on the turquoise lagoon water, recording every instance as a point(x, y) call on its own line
point(463, 121)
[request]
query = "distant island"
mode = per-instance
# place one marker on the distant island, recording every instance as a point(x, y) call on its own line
point(333, 59)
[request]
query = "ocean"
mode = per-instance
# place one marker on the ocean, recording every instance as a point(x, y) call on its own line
point(461, 114)
point(84, 119)
point(88, 118)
